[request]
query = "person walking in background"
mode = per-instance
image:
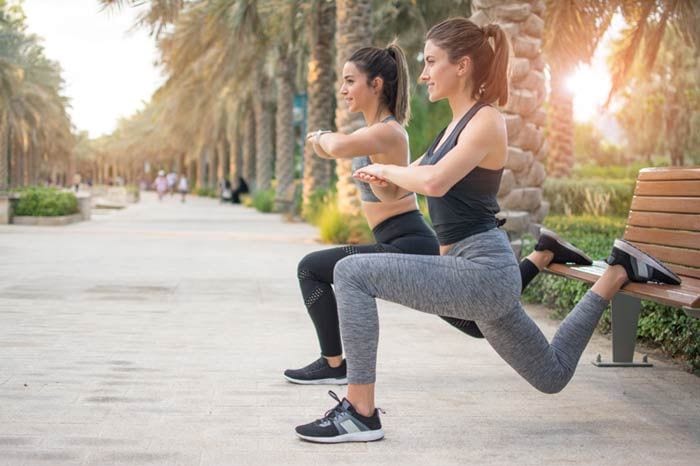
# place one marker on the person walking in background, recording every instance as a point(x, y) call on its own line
point(182, 187)
point(161, 184)
point(172, 181)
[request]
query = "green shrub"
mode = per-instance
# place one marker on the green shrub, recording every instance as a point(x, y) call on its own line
point(46, 202)
point(246, 200)
point(589, 196)
point(660, 326)
point(616, 172)
point(312, 210)
point(264, 200)
point(334, 226)
point(204, 191)
point(423, 207)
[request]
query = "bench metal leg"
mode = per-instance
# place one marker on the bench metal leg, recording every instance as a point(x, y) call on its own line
point(625, 316)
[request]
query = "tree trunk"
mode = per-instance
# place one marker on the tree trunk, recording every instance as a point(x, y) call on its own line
point(320, 91)
point(263, 135)
point(4, 155)
point(354, 30)
point(520, 194)
point(202, 168)
point(560, 126)
point(235, 155)
point(249, 154)
point(284, 165)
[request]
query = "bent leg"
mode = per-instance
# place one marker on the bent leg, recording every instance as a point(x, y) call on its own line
point(458, 288)
point(546, 366)
point(440, 285)
point(315, 274)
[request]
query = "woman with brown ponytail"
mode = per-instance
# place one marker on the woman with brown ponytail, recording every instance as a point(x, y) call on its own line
point(476, 277)
point(375, 83)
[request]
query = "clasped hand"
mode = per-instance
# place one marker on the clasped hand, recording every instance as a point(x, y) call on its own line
point(371, 174)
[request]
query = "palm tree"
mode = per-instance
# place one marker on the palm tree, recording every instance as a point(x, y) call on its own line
point(354, 30)
point(32, 111)
point(285, 80)
point(320, 86)
point(573, 30)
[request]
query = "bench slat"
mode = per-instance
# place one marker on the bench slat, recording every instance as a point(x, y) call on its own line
point(685, 295)
point(681, 239)
point(667, 174)
point(667, 254)
point(683, 205)
point(668, 188)
point(661, 220)
point(685, 271)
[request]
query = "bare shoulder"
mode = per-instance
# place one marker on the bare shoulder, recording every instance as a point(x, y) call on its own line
point(488, 123)
point(390, 132)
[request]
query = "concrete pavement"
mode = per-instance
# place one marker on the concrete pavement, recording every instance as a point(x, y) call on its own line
point(158, 335)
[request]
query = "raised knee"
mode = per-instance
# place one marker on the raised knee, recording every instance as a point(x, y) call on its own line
point(346, 269)
point(551, 387)
point(306, 267)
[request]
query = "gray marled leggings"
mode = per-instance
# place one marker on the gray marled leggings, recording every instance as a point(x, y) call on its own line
point(477, 280)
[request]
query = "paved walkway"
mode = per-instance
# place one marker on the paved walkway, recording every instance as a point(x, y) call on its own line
point(158, 334)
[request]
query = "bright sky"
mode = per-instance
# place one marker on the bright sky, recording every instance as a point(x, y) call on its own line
point(591, 83)
point(107, 67)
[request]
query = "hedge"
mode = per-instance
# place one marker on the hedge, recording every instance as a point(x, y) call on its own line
point(45, 202)
point(589, 196)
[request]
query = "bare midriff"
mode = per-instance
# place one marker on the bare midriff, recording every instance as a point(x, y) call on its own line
point(445, 248)
point(377, 212)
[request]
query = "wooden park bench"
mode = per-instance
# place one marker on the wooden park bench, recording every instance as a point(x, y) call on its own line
point(664, 221)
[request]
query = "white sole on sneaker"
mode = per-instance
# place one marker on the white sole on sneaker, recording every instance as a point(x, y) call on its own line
point(343, 381)
point(643, 257)
point(366, 436)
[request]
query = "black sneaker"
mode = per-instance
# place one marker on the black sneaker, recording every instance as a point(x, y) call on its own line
point(640, 266)
point(317, 373)
point(342, 424)
point(564, 252)
point(465, 326)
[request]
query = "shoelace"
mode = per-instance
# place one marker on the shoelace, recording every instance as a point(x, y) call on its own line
point(337, 409)
point(333, 412)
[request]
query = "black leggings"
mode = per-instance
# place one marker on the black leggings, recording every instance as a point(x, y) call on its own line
point(405, 233)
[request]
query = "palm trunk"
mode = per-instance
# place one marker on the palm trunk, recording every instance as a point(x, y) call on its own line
point(263, 136)
point(321, 92)
point(354, 30)
point(4, 155)
point(560, 129)
point(235, 156)
point(249, 153)
point(284, 164)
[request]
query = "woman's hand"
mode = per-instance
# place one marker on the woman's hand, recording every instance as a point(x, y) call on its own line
point(313, 139)
point(371, 174)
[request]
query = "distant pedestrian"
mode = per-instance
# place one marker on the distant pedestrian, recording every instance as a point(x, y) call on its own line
point(182, 187)
point(172, 181)
point(161, 184)
point(241, 189)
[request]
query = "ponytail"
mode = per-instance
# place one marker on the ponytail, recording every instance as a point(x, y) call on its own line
point(400, 106)
point(495, 85)
point(391, 65)
point(460, 38)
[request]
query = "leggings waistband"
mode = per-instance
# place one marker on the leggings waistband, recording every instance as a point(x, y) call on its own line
point(409, 223)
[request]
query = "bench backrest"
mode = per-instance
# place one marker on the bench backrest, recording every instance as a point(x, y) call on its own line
point(664, 218)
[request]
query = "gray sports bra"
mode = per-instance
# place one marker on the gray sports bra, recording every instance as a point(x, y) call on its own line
point(366, 193)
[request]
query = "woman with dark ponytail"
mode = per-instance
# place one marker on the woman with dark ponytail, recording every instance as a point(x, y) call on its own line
point(375, 83)
point(476, 276)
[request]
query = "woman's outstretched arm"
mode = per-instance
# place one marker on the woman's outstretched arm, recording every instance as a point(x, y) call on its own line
point(486, 132)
